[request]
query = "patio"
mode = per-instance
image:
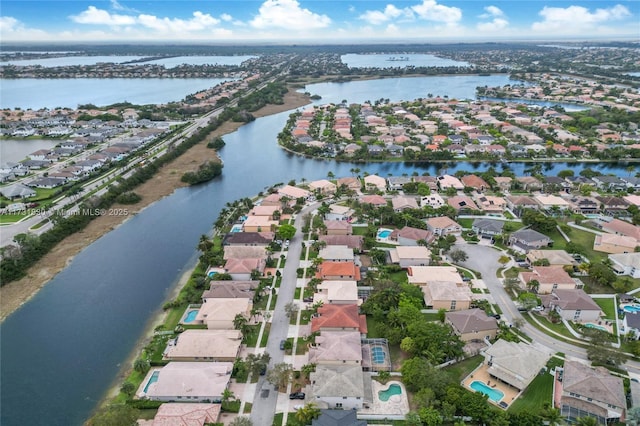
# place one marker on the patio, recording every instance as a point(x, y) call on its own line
point(482, 375)
point(396, 405)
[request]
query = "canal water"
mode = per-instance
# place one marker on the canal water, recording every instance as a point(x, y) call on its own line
point(61, 350)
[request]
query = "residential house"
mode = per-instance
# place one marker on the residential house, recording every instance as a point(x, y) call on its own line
point(339, 386)
point(487, 228)
point(549, 278)
point(336, 348)
point(527, 239)
point(337, 293)
point(354, 242)
point(620, 227)
point(187, 381)
point(323, 186)
point(626, 264)
point(609, 183)
point(503, 183)
point(549, 202)
point(16, 191)
point(433, 200)
point(554, 257)
point(631, 325)
point(338, 227)
point(529, 183)
point(270, 212)
point(462, 203)
point(472, 324)
point(593, 392)
point(396, 183)
point(375, 182)
point(583, 205)
point(350, 182)
point(338, 212)
point(443, 226)
point(612, 243)
point(447, 295)
point(248, 239)
point(337, 254)
point(293, 192)
point(204, 345)
point(338, 271)
point(448, 181)
point(230, 289)
point(422, 275)
point(259, 224)
point(334, 317)
point(374, 200)
point(47, 182)
point(612, 205)
point(244, 252)
point(409, 236)
point(218, 313)
point(518, 203)
point(243, 269)
point(516, 364)
point(338, 418)
point(403, 203)
point(407, 256)
point(490, 204)
point(183, 414)
point(430, 181)
point(573, 305)
point(475, 182)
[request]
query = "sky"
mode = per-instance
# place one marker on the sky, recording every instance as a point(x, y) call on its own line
point(317, 21)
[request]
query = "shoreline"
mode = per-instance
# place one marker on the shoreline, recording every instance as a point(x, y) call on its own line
point(13, 295)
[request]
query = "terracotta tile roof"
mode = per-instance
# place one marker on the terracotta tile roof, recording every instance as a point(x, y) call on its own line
point(339, 316)
point(342, 269)
point(474, 181)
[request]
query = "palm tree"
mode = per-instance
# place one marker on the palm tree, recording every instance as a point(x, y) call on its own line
point(241, 421)
point(586, 421)
point(553, 416)
point(533, 285)
point(227, 395)
point(306, 414)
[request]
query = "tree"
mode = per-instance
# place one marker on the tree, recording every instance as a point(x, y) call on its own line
point(458, 255)
point(280, 375)
point(307, 413)
point(586, 421)
point(227, 395)
point(290, 309)
point(503, 260)
point(141, 365)
point(533, 285)
point(412, 419)
point(241, 421)
point(286, 231)
point(128, 388)
point(115, 415)
point(528, 300)
point(602, 274)
point(430, 416)
point(553, 416)
point(240, 322)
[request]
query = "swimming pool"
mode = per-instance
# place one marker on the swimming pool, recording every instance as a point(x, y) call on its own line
point(599, 327)
point(191, 316)
point(211, 274)
point(493, 394)
point(152, 380)
point(393, 389)
point(236, 228)
point(631, 308)
point(384, 233)
point(377, 355)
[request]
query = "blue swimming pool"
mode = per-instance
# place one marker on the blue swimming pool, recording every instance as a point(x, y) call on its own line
point(631, 308)
point(152, 380)
point(377, 355)
point(393, 389)
point(384, 233)
point(493, 394)
point(191, 316)
point(596, 326)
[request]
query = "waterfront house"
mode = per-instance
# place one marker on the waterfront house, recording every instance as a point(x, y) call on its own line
point(270, 212)
point(323, 186)
point(515, 364)
point(375, 182)
point(590, 392)
point(293, 192)
point(374, 200)
point(529, 183)
point(244, 252)
point(472, 324)
point(396, 183)
point(248, 239)
point(219, 313)
point(475, 182)
point(448, 181)
point(183, 414)
point(503, 183)
point(229, 289)
point(339, 386)
point(336, 348)
point(350, 182)
point(549, 278)
point(204, 345)
point(241, 269)
point(187, 381)
point(259, 224)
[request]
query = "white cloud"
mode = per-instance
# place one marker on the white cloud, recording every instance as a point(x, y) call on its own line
point(492, 11)
point(498, 23)
point(226, 17)
point(287, 14)
point(577, 18)
point(97, 16)
point(199, 22)
point(377, 17)
point(430, 10)
point(115, 5)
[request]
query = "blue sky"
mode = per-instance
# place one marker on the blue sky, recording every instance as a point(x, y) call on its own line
point(317, 20)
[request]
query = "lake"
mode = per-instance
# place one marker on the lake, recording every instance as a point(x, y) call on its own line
point(92, 60)
point(62, 350)
point(27, 93)
point(398, 60)
point(15, 150)
point(200, 60)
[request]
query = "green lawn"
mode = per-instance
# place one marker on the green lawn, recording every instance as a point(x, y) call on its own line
point(608, 306)
point(462, 369)
point(251, 340)
point(432, 316)
point(535, 396)
point(265, 335)
point(360, 230)
point(465, 223)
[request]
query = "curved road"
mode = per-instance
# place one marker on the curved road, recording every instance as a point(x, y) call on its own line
point(484, 259)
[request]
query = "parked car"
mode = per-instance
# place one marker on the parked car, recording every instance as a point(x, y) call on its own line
point(282, 343)
point(263, 370)
point(308, 299)
point(297, 395)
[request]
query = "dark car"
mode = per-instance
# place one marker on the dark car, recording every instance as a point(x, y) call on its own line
point(308, 299)
point(497, 316)
point(282, 342)
point(263, 370)
point(297, 395)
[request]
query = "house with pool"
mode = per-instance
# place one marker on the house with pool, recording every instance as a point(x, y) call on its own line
point(178, 413)
point(573, 305)
point(187, 382)
point(515, 364)
point(218, 313)
point(340, 386)
point(336, 348)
